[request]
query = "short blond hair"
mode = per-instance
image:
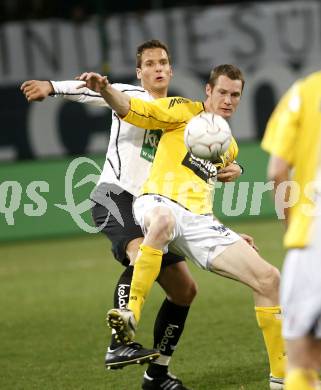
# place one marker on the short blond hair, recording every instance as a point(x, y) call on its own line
point(228, 70)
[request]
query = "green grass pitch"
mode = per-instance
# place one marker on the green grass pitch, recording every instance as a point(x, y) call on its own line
point(53, 299)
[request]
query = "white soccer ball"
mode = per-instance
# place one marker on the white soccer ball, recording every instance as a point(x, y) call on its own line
point(207, 136)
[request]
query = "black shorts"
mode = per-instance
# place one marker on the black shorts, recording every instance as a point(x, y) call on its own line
point(114, 208)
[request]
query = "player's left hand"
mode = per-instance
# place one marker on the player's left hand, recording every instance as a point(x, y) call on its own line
point(230, 173)
point(249, 240)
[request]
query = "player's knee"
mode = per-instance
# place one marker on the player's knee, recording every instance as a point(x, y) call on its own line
point(189, 293)
point(162, 225)
point(132, 249)
point(269, 281)
point(185, 295)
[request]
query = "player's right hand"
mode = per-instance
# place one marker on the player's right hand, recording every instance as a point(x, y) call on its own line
point(93, 81)
point(36, 90)
point(230, 173)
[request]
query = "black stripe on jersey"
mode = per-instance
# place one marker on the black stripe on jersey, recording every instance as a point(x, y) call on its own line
point(93, 95)
point(113, 168)
point(130, 90)
point(117, 137)
point(117, 151)
point(77, 94)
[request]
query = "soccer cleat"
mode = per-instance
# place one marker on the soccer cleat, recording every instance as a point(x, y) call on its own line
point(124, 323)
point(127, 354)
point(276, 383)
point(165, 382)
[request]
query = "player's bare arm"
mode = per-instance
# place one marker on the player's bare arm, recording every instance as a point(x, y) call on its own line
point(36, 90)
point(278, 171)
point(119, 101)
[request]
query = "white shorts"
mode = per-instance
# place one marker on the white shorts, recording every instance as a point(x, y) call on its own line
point(198, 237)
point(301, 289)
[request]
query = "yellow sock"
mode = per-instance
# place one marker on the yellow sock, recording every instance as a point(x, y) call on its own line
point(269, 320)
point(300, 379)
point(146, 270)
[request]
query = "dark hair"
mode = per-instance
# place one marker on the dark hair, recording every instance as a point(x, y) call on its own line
point(230, 71)
point(151, 44)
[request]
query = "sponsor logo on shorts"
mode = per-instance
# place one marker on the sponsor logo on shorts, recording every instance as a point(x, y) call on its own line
point(221, 229)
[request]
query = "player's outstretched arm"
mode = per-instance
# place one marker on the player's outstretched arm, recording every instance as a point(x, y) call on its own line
point(118, 101)
point(36, 90)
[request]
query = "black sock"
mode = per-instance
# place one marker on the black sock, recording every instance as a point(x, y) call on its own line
point(121, 295)
point(168, 328)
point(155, 370)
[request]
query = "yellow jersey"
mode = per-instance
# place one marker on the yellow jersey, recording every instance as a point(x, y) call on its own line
point(175, 173)
point(293, 133)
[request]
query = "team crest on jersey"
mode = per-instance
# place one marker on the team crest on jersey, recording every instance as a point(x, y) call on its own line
point(204, 169)
point(174, 101)
point(150, 143)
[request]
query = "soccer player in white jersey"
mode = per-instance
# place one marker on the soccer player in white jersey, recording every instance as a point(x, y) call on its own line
point(128, 159)
point(175, 208)
point(293, 138)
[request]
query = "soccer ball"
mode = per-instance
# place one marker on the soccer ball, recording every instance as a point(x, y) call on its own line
point(207, 136)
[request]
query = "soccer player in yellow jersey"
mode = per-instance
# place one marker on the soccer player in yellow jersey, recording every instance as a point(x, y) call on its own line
point(175, 208)
point(293, 138)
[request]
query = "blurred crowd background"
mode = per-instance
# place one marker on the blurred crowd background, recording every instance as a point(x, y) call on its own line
point(273, 42)
point(83, 9)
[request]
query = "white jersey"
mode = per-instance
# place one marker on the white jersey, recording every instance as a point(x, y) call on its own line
point(131, 149)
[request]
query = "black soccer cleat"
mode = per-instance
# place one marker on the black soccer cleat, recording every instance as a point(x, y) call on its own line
point(168, 382)
point(126, 354)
